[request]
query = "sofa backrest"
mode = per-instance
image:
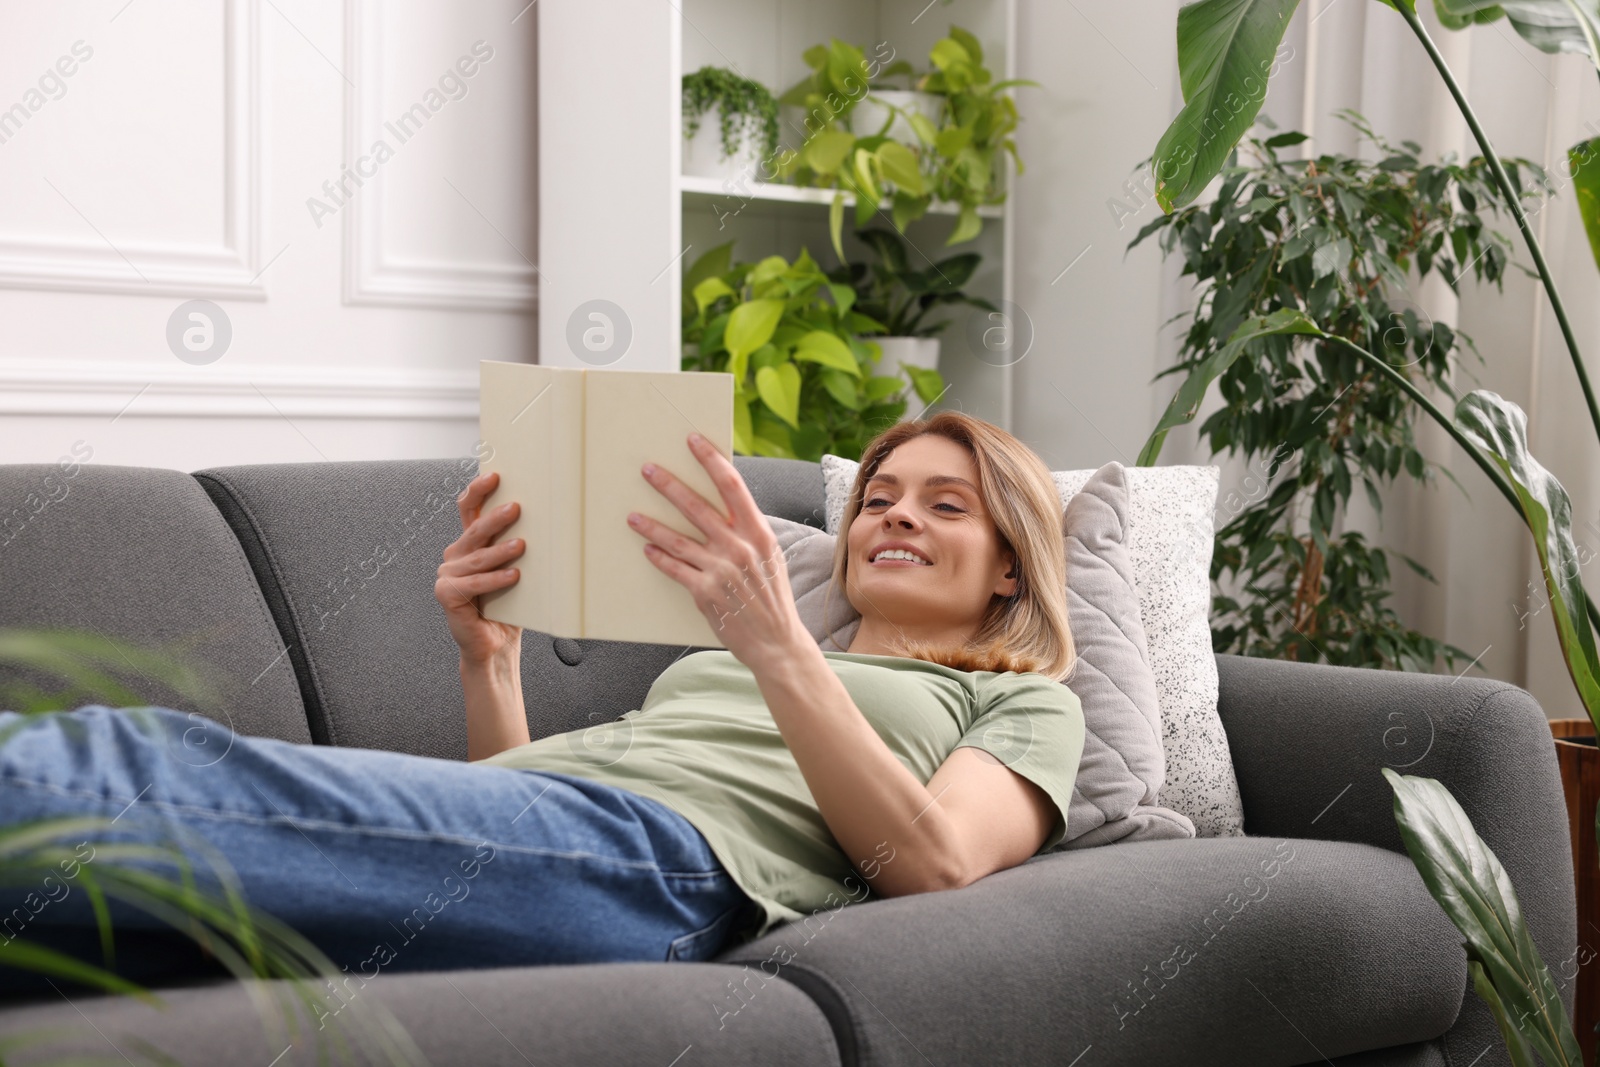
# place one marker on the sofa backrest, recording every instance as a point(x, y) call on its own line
point(346, 555)
point(140, 555)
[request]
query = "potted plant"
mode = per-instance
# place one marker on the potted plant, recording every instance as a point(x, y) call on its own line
point(886, 111)
point(956, 156)
point(1224, 49)
point(1321, 426)
point(803, 371)
point(730, 124)
point(889, 291)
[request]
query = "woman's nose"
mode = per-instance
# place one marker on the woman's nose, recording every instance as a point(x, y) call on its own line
point(903, 517)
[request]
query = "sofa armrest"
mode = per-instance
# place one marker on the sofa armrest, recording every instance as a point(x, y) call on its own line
point(1308, 743)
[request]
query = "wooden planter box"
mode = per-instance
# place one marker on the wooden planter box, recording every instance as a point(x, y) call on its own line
point(1579, 760)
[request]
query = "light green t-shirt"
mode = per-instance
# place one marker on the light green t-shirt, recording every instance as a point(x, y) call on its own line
point(705, 745)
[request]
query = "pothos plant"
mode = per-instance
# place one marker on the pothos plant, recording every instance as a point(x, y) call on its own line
point(1225, 51)
point(749, 113)
point(1338, 240)
point(800, 355)
point(959, 160)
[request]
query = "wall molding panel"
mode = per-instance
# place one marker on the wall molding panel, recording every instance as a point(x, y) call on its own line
point(144, 390)
point(371, 276)
point(228, 269)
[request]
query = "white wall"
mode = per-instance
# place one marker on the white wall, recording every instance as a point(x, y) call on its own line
point(1108, 88)
point(176, 163)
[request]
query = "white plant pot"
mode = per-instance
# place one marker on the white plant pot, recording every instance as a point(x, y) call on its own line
point(870, 114)
point(702, 153)
point(920, 352)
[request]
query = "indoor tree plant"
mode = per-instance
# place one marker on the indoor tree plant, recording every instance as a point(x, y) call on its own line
point(901, 298)
point(958, 159)
point(1225, 55)
point(802, 365)
point(47, 671)
point(1335, 238)
point(730, 124)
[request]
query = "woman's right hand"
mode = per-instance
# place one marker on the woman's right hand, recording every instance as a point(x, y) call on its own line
point(472, 567)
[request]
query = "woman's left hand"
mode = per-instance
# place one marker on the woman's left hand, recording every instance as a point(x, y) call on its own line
point(737, 576)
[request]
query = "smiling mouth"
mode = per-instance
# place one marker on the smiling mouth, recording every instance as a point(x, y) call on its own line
point(901, 561)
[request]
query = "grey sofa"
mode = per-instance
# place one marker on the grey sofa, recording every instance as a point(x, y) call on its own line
point(307, 587)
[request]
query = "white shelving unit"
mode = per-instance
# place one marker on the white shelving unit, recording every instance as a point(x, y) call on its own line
point(603, 230)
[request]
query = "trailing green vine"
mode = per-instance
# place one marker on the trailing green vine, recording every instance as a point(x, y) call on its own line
point(749, 113)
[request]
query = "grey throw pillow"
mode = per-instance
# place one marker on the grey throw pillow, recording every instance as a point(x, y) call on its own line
point(1120, 773)
point(1123, 764)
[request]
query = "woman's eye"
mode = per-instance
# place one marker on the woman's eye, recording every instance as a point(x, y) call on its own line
point(875, 501)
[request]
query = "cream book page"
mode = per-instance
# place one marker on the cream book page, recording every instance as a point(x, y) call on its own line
point(568, 444)
point(634, 417)
point(531, 420)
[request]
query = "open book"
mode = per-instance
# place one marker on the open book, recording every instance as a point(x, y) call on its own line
point(568, 444)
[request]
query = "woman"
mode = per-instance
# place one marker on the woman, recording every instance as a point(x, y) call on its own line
point(754, 785)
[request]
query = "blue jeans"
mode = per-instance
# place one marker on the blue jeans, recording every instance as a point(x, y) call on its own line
point(385, 861)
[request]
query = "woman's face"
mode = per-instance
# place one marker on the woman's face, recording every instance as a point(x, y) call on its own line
point(926, 496)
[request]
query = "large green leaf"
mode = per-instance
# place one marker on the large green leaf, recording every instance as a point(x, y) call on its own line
point(1225, 56)
point(779, 388)
point(1187, 401)
point(820, 346)
point(1500, 428)
point(1467, 880)
point(1583, 162)
point(713, 264)
point(749, 327)
point(900, 166)
point(1451, 21)
point(828, 150)
point(1548, 25)
point(1516, 1044)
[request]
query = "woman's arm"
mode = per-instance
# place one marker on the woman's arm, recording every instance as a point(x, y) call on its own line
point(496, 717)
point(874, 806)
point(491, 652)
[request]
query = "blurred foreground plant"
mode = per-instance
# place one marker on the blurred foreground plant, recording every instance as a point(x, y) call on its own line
point(159, 879)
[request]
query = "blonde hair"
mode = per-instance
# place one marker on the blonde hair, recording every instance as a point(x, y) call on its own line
point(1028, 630)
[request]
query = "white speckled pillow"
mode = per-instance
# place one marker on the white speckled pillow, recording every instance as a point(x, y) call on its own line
point(1170, 537)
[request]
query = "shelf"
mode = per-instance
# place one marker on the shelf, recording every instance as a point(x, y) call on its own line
point(727, 189)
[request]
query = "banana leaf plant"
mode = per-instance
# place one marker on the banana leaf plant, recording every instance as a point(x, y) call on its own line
point(46, 671)
point(1226, 53)
point(1464, 876)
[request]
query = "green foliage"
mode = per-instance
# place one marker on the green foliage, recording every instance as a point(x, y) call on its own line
point(1583, 163)
point(959, 160)
point(749, 113)
point(1467, 880)
point(1500, 428)
point(792, 339)
point(1226, 56)
point(1333, 240)
point(1548, 25)
point(897, 296)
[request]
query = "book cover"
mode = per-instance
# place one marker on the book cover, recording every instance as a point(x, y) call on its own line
point(568, 444)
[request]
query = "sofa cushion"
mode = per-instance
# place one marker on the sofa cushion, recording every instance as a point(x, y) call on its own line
point(1229, 951)
point(613, 1013)
point(141, 555)
point(347, 555)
